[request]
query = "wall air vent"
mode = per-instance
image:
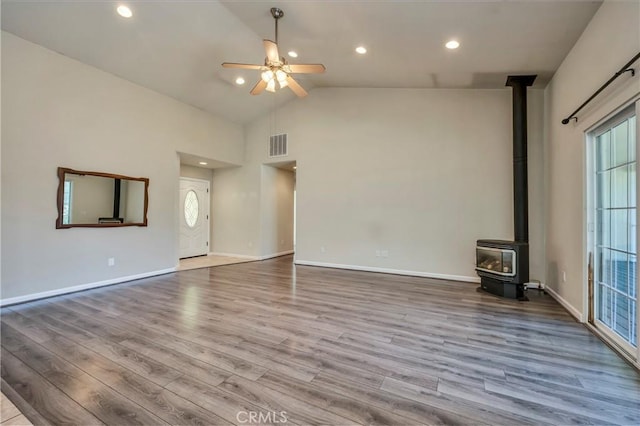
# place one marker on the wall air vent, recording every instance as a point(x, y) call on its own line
point(278, 145)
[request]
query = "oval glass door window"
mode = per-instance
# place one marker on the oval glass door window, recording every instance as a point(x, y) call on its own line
point(191, 208)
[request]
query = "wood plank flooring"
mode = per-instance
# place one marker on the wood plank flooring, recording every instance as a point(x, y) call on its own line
point(208, 261)
point(272, 343)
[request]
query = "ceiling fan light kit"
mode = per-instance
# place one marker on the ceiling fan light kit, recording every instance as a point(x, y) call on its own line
point(276, 71)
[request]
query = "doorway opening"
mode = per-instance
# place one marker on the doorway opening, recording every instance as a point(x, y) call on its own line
point(278, 209)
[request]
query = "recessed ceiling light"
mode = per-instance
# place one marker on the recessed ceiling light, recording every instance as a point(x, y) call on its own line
point(452, 44)
point(239, 81)
point(124, 11)
point(203, 163)
point(293, 54)
point(361, 50)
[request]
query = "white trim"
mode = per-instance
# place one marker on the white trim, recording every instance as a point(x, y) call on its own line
point(588, 217)
point(610, 118)
point(389, 271)
point(613, 337)
point(613, 344)
point(241, 256)
point(271, 256)
point(75, 288)
point(535, 285)
point(573, 311)
point(636, 362)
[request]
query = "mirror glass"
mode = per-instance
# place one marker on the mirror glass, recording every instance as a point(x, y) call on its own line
point(95, 199)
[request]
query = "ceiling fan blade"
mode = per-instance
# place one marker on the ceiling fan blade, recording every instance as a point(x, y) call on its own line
point(243, 66)
point(272, 51)
point(306, 68)
point(297, 89)
point(259, 87)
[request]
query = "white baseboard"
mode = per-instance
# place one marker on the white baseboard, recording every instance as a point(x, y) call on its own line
point(240, 256)
point(573, 311)
point(389, 271)
point(75, 288)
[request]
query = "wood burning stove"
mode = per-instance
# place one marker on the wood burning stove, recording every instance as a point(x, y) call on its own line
point(503, 266)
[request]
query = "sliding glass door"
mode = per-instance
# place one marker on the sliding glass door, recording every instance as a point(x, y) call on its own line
point(615, 237)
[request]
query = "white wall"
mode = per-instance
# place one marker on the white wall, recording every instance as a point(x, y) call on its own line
point(276, 210)
point(421, 174)
point(236, 211)
point(196, 173)
point(609, 41)
point(535, 145)
point(59, 112)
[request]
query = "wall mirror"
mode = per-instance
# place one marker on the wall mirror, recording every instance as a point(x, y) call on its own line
point(96, 200)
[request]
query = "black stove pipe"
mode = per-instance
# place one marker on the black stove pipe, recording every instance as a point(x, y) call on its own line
point(519, 84)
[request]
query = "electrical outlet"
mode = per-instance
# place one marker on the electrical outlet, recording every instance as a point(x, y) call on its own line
point(564, 276)
point(250, 244)
point(111, 261)
point(322, 249)
point(378, 253)
point(384, 253)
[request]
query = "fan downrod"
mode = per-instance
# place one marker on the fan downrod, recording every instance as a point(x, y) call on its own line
point(277, 13)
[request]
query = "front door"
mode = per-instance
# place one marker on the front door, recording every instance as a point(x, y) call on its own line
point(194, 217)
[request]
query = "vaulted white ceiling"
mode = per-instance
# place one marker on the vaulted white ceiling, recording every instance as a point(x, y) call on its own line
point(176, 47)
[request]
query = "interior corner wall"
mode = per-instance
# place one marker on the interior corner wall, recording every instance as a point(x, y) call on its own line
point(610, 40)
point(416, 175)
point(59, 112)
point(535, 151)
point(276, 210)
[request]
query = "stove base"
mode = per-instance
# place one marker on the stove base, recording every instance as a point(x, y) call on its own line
point(502, 288)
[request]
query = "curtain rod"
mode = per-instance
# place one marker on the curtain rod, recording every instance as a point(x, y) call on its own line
point(623, 70)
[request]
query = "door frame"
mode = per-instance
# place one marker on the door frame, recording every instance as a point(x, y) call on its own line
point(626, 349)
point(181, 213)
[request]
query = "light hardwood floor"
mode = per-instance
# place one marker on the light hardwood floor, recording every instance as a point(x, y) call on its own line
point(9, 413)
point(209, 261)
point(309, 346)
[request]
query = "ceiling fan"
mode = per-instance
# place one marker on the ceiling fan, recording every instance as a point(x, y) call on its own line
point(276, 69)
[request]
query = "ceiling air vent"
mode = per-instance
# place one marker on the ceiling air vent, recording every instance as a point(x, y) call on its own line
point(278, 145)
